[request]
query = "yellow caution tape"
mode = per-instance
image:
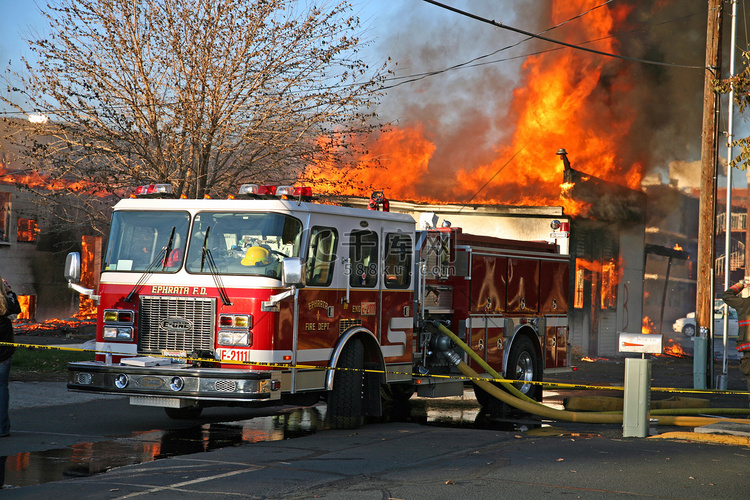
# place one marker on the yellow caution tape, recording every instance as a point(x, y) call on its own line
point(288, 366)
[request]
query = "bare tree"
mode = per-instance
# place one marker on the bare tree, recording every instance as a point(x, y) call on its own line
point(202, 94)
point(740, 83)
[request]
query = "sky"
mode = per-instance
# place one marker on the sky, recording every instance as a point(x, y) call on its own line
point(420, 37)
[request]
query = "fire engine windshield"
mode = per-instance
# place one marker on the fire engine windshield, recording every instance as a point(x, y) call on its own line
point(139, 239)
point(243, 243)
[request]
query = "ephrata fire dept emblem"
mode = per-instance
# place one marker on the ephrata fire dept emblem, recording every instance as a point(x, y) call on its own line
point(176, 325)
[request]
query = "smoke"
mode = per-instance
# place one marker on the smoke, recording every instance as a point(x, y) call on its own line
point(668, 100)
point(461, 110)
point(469, 114)
point(685, 175)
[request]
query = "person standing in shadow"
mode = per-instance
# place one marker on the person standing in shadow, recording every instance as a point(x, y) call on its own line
point(8, 306)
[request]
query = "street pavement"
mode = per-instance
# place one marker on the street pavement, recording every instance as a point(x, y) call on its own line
point(405, 460)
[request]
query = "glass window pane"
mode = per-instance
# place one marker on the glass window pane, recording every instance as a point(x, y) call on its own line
point(139, 239)
point(321, 256)
point(243, 243)
point(363, 252)
point(397, 261)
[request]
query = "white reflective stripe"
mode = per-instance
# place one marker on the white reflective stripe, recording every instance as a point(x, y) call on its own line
point(117, 348)
point(307, 355)
point(268, 356)
point(397, 328)
point(479, 321)
point(495, 322)
point(557, 321)
point(393, 350)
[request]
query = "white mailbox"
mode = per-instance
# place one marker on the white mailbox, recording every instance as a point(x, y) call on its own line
point(648, 343)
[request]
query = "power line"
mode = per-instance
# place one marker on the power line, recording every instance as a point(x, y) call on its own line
point(546, 39)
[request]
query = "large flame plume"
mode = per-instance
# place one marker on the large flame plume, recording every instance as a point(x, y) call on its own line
point(565, 99)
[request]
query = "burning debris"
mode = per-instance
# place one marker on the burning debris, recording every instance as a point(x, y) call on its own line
point(675, 350)
point(52, 326)
point(593, 360)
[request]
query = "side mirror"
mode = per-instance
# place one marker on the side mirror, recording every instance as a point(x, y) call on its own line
point(293, 272)
point(73, 267)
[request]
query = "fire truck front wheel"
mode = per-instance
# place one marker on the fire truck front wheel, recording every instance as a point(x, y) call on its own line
point(345, 399)
point(187, 413)
point(523, 365)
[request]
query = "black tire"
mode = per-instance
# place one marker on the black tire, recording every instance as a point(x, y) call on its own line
point(187, 413)
point(524, 364)
point(345, 399)
point(688, 330)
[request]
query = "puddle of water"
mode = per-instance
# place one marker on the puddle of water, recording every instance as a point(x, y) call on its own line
point(89, 458)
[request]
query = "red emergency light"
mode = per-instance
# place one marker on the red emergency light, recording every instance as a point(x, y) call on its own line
point(287, 192)
point(283, 192)
point(154, 190)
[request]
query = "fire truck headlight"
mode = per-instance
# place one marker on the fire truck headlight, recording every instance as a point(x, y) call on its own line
point(228, 337)
point(236, 321)
point(176, 384)
point(121, 381)
point(121, 333)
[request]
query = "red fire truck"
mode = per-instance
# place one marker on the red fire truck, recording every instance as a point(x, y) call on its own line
point(271, 298)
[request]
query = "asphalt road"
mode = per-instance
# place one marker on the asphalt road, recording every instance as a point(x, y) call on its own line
point(411, 461)
point(102, 448)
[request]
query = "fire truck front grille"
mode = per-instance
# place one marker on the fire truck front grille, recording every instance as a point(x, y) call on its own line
point(176, 324)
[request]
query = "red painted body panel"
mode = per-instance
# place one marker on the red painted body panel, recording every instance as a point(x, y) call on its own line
point(488, 284)
point(523, 286)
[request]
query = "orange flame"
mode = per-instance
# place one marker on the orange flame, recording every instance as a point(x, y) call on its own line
point(647, 326)
point(34, 180)
point(677, 247)
point(565, 99)
point(28, 307)
point(673, 349)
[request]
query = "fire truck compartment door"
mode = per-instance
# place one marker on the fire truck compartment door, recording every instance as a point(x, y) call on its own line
point(488, 283)
point(523, 285)
point(485, 336)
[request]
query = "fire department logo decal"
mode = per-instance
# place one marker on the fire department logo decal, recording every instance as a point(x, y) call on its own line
point(176, 325)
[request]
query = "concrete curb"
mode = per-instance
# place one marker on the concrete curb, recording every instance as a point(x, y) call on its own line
point(693, 437)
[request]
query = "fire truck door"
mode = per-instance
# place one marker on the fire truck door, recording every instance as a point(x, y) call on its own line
point(395, 322)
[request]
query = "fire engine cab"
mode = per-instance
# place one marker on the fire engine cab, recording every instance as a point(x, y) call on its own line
point(271, 298)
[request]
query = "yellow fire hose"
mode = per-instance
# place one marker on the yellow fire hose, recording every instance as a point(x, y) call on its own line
point(460, 343)
point(514, 397)
point(583, 417)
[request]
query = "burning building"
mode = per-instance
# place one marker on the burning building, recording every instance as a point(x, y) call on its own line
point(28, 260)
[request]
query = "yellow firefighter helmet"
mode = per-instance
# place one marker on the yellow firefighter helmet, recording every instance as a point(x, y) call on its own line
point(256, 256)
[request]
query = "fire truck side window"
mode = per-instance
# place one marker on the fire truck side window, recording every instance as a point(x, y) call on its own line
point(363, 252)
point(397, 261)
point(321, 256)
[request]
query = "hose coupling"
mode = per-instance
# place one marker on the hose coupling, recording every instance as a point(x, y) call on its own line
point(453, 358)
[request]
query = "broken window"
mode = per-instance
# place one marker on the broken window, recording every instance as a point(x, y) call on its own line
point(4, 216)
point(27, 230)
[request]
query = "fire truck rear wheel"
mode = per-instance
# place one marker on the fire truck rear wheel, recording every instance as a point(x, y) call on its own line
point(345, 399)
point(187, 413)
point(523, 364)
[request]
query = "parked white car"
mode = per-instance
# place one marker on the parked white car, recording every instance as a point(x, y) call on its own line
point(686, 326)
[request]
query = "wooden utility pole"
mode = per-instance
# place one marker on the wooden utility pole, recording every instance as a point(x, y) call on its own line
point(704, 312)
